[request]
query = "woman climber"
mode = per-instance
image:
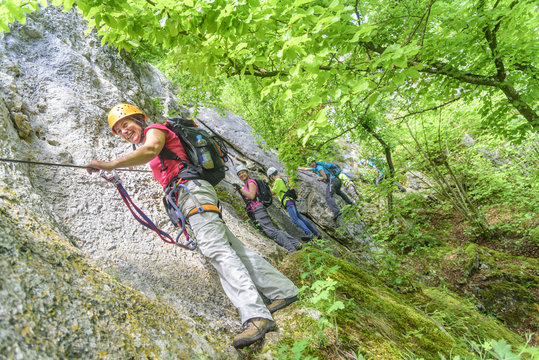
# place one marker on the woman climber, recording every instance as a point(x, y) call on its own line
point(243, 273)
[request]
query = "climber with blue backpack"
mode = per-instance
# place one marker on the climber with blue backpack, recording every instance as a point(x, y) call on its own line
point(329, 173)
point(257, 197)
point(287, 196)
point(382, 172)
point(187, 162)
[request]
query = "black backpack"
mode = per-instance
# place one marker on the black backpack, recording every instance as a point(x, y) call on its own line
point(263, 192)
point(290, 193)
point(187, 131)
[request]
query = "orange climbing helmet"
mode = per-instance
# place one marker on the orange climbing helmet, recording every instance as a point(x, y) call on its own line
point(121, 111)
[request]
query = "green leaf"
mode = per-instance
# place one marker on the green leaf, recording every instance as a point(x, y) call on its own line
point(334, 4)
point(321, 117)
point(314, 101)
point(360, 85)
point(241, 46)
point(411, 72)
point(400, 61)
point(344, 100)
point(372, 99)
point(503, 350)
point(334, 268)
point(295, 18)
point(68, 4)
point(399, 78)
point(298, 3)
point(288, 95)
point(94, 10)
point(229, 8)
point(337, 305)
point(4, 26)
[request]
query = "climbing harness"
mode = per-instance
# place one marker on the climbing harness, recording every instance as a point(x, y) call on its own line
point(62, 165)
point(205, 208)
point(144, 220)
point(171, 196)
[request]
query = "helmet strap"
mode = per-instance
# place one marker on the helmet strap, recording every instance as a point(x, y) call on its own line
point(142, 134)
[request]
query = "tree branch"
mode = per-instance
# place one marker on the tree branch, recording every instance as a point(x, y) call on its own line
point(446, 70)
point(347, 130)
point(426, 23)
point(492, 41)
point(428, 109)
point(508, 89)
point(409, 37)
point(357, 12)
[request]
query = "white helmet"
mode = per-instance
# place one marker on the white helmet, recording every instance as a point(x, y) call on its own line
point(271, 171)
point(241, 168)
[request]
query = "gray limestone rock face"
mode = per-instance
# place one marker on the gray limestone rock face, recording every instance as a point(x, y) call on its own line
point(68, 239)
point(60, 85)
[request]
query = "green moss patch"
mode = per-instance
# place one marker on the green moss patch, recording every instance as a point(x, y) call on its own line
point(503, 285)
point(58, 305)
point(380, 323)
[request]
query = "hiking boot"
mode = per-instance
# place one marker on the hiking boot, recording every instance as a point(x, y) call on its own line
point(281, 303)
point(336, 216)
point(307, 238)
point(253, 330)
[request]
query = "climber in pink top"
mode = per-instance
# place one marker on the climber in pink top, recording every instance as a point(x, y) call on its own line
point(263, 221)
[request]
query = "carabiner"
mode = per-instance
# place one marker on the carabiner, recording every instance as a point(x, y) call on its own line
point(112, 178)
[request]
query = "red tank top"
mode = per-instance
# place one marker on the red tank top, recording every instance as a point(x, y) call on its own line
point(172, 142)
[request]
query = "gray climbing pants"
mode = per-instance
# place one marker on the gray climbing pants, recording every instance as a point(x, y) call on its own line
point(334, 187)
point(280, 237)
point(242, 272)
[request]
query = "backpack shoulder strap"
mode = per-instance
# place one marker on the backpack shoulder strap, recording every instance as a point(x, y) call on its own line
point(168, 154)
point(325, 166)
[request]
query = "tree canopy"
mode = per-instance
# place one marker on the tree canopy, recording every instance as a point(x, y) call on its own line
point(344, 53)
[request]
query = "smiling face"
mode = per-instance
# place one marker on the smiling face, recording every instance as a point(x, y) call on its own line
point(129, 130)
point(244, 176)
point(312, 164)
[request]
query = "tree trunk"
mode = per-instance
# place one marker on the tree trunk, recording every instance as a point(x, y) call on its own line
point(389, 160)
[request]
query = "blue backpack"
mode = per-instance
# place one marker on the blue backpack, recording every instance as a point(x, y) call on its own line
point(330, 168)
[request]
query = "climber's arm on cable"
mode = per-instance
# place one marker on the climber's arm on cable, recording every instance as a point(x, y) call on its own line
point(153, 144)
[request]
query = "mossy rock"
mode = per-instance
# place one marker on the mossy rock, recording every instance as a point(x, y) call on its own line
point(235, 202)
point(57, 305)
point(502, 285)
point(380, 323)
